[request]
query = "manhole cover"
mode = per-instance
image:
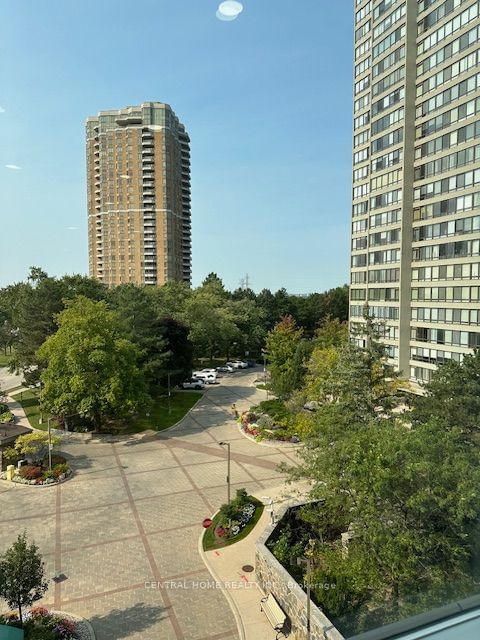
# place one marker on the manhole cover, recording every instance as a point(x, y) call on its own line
point(247, 568)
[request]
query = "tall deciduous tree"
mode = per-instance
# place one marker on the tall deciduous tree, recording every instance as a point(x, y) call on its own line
point(92, 367)
point(22, 575)
point(286, 355)
point(453, 396)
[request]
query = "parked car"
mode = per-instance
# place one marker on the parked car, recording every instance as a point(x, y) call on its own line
point(225, 368)
point(251, 363)
point(207, 377)
point(193, 383)
point(238, 364)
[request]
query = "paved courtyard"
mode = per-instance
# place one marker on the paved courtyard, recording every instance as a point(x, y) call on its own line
point(125, 529)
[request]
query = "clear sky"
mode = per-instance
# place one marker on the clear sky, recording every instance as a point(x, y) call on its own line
point(266, 99)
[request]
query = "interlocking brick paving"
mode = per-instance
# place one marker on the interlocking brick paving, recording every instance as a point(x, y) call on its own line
point(131, 516)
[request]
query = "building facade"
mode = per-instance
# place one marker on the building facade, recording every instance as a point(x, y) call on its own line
point(138, 181)
point(415, 240)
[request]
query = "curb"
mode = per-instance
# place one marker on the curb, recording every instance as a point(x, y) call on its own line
point(275, 443)
point(230, 600)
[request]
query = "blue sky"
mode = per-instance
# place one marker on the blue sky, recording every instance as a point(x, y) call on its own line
point(265, 98)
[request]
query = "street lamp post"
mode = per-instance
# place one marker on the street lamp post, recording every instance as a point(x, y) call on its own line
point(49, 444)
point(227, 444)
point(265, 370)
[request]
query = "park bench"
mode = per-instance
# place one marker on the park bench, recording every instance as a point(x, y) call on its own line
point(275, 614)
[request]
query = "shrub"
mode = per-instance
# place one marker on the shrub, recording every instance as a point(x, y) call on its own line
point(30, 473)
point(265, 421)
point(49, 474)
point(7, 417)
point(60, 469)
point(56, 459)
point(275, 408)
point(39, 612)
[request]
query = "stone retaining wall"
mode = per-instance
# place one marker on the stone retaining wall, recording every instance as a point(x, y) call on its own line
point(273, 578)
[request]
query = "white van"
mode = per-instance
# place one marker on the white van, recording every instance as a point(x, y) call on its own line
point(209, 377)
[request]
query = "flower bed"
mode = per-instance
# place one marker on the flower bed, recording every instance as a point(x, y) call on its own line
point(233, 521)
point(41, 624)
point(260, 426)
point(40, 474)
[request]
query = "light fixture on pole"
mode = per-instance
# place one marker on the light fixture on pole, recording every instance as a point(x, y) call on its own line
point(227, 444)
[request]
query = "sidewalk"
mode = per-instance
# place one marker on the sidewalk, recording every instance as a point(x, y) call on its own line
point(240, 587)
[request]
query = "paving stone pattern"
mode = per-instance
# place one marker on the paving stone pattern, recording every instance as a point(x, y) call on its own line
point(125, 528)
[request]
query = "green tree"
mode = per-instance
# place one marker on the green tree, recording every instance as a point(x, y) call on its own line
point(286, 356)
point(22, 575)
point(453, 396)
point(136, 308)
point(92, 367)
point(35, 445)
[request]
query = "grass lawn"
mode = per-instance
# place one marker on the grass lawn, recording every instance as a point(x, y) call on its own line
point(29, 401)
point(161, 416)
point(210, 542)
point(4, 359)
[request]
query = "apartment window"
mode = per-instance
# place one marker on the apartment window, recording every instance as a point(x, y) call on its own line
point(387, 179)
point(463, 134)
point(361, 103)
point(389, 21)
point(358, 277)
point(362, 66)
point(388, 217)
point(385, 199)
point(358, 244)
point(357, 294)
point(388, 81)
point(392, 236)
point(362, 31)
point(447, 207)
point(387, 121)
point(445, 229)
point(460, 249)
point(460, 181)
point(438, 14)
point(384, 313)
point(448, 51)
point(362, 49)
point(383, 275)
point(384, 257)
point(388, 101)
point(447, 74)
point(363, 12)
point(388, 42)
point(383, 295)
point(360, 174)
point(389, 61)
point(360, 156)
point(362, 84)
point(388, 140)
point(449, 28)
point(448, 96)
point(361, 138)
point(447, 163)
point(463, 271)
point(387, 160)
point(359, 260)
point(360, 208)
point(446, 316)
point(361, 191)
point(381, 8)
point(361, 121)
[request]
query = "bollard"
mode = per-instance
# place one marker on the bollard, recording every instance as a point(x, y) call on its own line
point(10, 472)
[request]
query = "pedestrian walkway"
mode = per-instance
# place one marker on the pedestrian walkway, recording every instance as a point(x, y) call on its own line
point(240, 586)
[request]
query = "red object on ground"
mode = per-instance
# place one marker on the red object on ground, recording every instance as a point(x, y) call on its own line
point(207, 522)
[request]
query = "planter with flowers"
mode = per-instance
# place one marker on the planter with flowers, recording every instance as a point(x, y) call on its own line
point(41, 623)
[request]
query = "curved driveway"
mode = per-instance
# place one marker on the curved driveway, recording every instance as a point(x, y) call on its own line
point(124, 530)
